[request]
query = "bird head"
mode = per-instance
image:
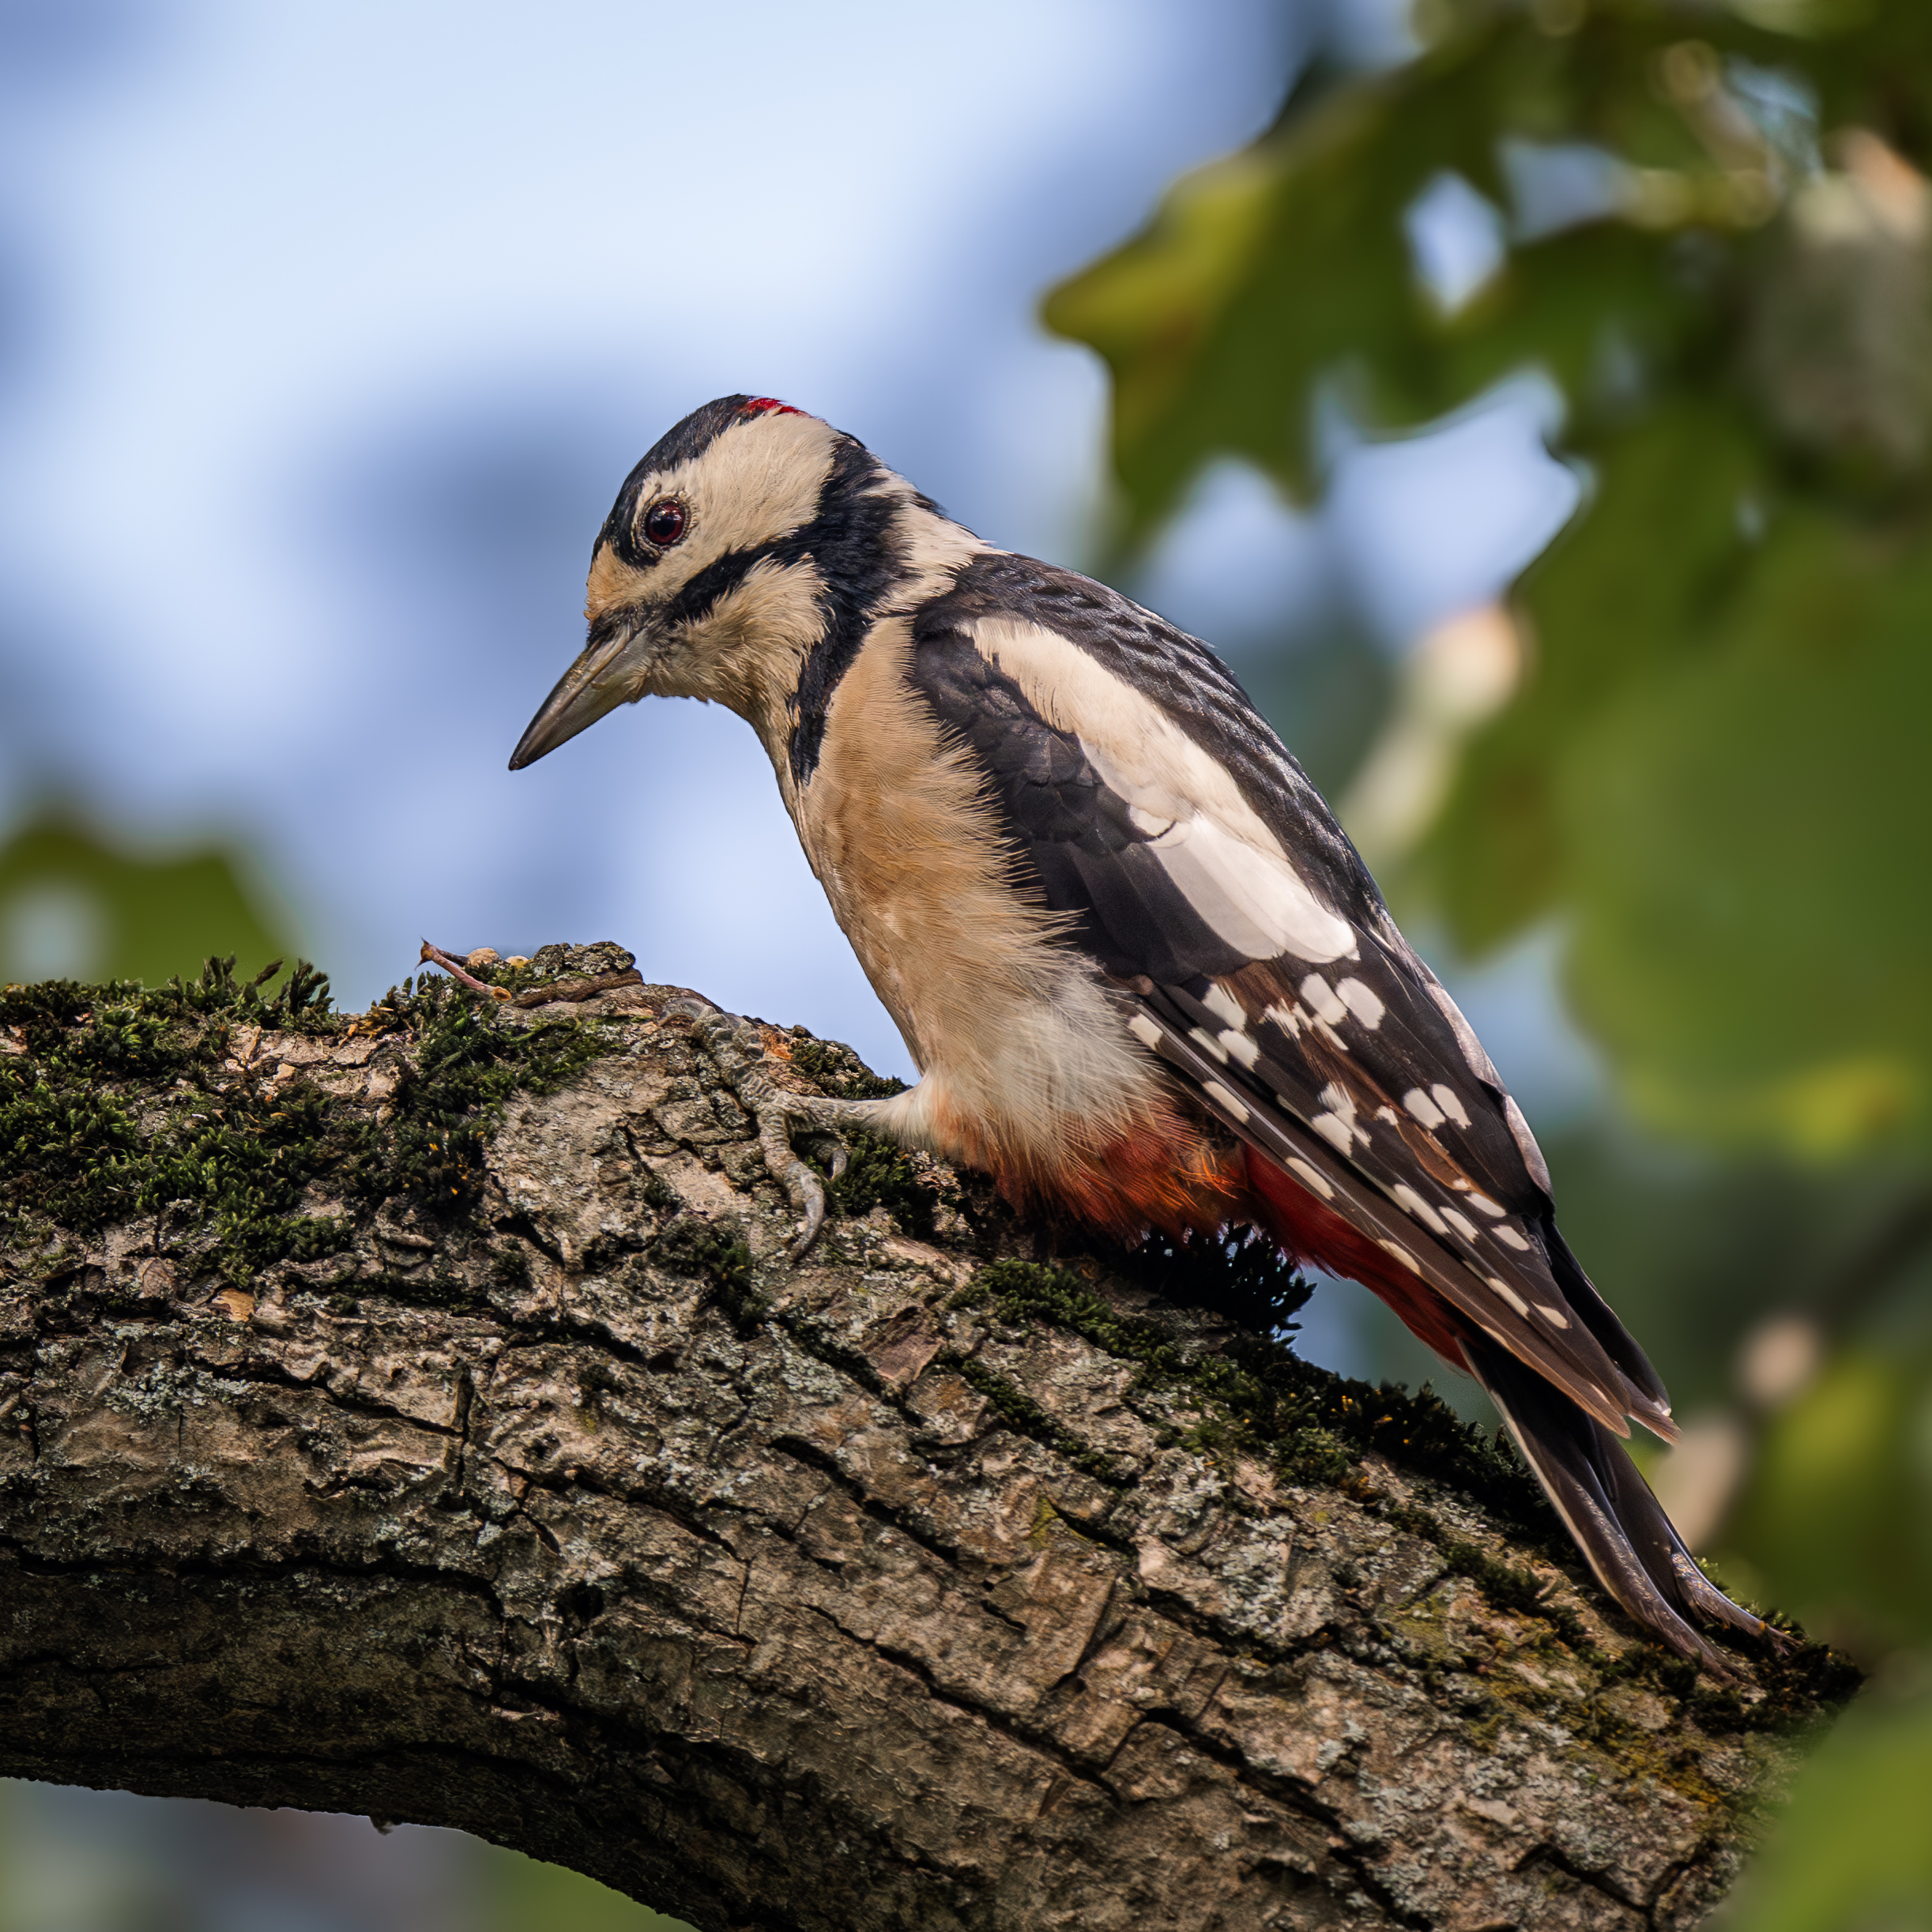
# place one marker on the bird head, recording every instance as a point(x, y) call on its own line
point(750, 533)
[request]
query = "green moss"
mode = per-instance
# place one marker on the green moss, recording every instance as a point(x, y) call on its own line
point(879, 1175)
point(224, 1167)
point(718, 1250)
point(838, 1070)
point(469, 1059)
point(1266, 1400)
point(1018, 1411)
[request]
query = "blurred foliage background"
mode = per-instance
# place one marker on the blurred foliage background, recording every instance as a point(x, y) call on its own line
point(1537, 412)
point(1696, 745)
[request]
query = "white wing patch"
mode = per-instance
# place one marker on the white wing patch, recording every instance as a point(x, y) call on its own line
point(1208, 839)
point(1255, 900)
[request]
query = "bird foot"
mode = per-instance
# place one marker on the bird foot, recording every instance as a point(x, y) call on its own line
point(736, 1048)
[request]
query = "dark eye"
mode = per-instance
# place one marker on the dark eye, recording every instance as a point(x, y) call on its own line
point(664, 523)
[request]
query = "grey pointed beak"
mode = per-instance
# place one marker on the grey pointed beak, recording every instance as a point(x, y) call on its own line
point(610, 672)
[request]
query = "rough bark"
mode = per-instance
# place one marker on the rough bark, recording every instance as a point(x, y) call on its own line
point(854, 1595)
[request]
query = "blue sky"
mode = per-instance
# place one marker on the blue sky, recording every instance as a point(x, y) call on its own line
point(335, 330)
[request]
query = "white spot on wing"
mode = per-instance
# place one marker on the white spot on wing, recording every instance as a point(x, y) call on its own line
point(1255, 900)
point(1480, 1063)
point(1217, 848)
point(1144, 1030)
point(1451, 1103)
point(1223, 1005)
point(1407, 1259)
point(1407, 1198)
point(1508, 1293)
point(1462, 1223)
point(1321, 997)
point(1221, 1098)
point(1553, 1314)
point(1240, 1046)
point(1146, 822)
point(1510, 1238)
point(1488, 1206)
point(1341, 1105)
point(1286, 1017)
point(1360, 1000)
point(1311, 1177)
point(1422, 1107)
point(1209, 1043)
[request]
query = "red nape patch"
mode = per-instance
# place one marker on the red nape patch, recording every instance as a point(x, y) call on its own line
point(768, 405)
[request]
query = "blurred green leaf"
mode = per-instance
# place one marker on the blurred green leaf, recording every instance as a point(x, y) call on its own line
point(1837, 1521)
point(1712, 774)
point(1853, 1854)
point(514, 1893)
point(72, 905)
point(1748, 833)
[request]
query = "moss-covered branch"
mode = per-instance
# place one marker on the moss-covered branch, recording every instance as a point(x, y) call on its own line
point(414, 1413)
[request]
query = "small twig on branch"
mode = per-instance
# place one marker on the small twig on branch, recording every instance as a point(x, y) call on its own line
point(434, 955)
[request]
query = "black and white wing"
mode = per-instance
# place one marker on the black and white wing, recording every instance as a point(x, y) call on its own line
point(1203, 872)
point(1163, 815)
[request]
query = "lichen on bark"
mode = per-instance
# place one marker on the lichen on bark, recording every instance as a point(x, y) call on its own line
point(415, 1413)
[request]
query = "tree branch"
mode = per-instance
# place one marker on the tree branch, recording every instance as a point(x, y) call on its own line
point(927, 1583)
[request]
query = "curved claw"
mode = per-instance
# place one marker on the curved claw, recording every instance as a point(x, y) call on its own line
point(833, 1151)
point(738, 1051)
point(795, 1175)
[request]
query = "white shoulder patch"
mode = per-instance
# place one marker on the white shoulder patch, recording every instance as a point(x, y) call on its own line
point(1209, 839)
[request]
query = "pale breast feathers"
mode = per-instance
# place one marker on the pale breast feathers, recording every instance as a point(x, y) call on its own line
point(1201, 869)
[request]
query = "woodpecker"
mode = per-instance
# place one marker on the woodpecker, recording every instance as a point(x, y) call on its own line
point(1145, 976)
